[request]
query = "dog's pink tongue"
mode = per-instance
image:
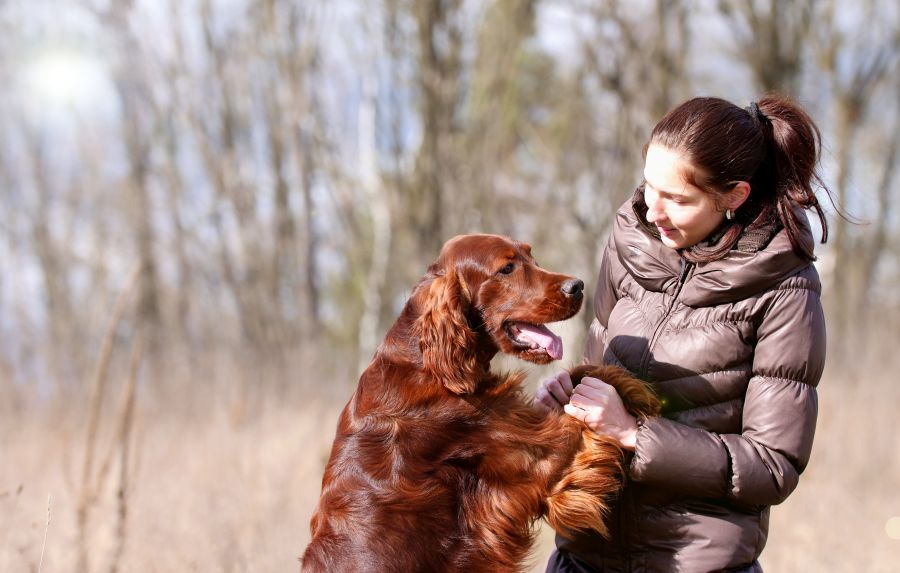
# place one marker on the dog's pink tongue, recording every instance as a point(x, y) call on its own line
point(541, 335)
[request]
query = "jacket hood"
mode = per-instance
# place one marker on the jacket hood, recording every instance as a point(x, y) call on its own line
point(734, 277)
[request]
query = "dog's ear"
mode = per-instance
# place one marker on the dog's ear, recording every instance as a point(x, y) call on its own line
point(447, 343)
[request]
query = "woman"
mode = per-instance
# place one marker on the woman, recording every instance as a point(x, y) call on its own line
point(707, 290)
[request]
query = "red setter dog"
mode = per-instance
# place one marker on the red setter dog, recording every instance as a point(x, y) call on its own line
point(439, 465)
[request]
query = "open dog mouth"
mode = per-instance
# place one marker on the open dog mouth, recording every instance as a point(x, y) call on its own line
point(534, 338)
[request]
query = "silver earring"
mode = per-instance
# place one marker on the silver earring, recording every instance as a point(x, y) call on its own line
point(729, 214)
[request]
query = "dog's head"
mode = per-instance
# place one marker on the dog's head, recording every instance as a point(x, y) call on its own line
point(486, 293)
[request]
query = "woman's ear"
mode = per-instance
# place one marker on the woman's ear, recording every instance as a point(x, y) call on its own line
point(736, 197)
point(445, 339)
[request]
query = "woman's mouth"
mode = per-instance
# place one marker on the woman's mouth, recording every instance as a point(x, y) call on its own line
point(665, 231)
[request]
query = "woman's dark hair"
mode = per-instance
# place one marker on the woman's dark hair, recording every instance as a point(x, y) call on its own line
point(772, 144)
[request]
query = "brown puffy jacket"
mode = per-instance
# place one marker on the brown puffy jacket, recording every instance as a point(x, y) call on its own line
point(734, 349)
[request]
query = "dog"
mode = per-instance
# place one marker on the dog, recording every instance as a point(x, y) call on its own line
point(440, 465)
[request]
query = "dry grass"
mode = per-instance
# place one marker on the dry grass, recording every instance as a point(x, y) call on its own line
point(208, 494)
point(836, 519)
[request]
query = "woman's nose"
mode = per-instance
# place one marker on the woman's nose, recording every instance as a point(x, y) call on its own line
point(654, 213)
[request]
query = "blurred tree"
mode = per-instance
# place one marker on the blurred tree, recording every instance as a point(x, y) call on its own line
point(134, 91)
point(861, 65)
point(771, 38)
point(497, 114)
point(439, 58)
point(54, 260)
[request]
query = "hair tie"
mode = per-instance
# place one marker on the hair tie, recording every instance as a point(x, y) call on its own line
point(757, 114)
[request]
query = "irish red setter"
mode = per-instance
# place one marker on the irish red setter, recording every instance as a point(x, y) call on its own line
point(440, 465)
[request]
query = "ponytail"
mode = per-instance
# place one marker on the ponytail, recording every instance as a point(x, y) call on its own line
point(794, 144)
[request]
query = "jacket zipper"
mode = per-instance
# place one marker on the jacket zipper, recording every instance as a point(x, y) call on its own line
point(682, 278)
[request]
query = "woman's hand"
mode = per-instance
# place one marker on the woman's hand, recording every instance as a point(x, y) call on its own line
point(599, 406)
point(553, 393)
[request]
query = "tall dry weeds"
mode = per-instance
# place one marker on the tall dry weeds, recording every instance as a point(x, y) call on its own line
point(91, 484)
point(126, 425)
point(46, 531)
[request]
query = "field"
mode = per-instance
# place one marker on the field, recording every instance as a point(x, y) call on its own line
point(210, 490)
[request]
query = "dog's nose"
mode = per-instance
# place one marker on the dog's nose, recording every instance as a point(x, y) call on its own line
point(572, 287)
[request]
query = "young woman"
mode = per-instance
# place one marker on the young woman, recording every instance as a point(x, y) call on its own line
point(707, 290)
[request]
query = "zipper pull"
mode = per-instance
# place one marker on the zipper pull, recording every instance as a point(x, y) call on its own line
point(685, 269)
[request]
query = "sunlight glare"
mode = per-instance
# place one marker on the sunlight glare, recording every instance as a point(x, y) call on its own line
point(64, 80)
point(892, 528)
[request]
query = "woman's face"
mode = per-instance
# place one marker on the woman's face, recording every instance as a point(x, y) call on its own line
point(683, 214)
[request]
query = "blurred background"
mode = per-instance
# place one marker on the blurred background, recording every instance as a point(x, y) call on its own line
point(212, 210)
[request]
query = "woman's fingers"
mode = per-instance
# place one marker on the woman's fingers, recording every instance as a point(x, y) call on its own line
point(544, 400)
point(560, 387)
point(554, 392)
point(566, 382)
point(557, 391)
point(592, 391)
point(575, 411)
point(599, 406)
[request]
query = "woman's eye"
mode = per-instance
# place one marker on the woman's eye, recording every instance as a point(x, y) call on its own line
point(507, 269)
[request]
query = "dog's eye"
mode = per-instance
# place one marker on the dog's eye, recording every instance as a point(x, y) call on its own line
point(507, 269)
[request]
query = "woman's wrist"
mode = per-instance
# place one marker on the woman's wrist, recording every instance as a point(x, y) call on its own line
point(628, 439)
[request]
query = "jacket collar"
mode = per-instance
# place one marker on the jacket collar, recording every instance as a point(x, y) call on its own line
point(734, 277)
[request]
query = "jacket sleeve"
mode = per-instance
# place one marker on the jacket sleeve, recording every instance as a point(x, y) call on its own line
point(762, 464)
point(605, 298)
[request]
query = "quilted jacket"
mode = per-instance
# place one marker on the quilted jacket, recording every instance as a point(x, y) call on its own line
point(735, 349)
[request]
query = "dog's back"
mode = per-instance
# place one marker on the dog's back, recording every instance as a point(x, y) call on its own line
point(415, 491)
